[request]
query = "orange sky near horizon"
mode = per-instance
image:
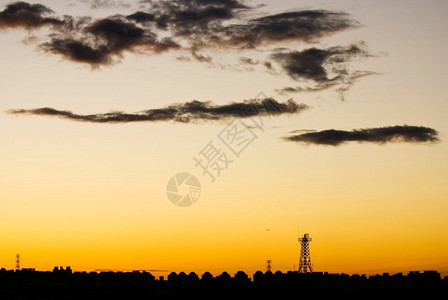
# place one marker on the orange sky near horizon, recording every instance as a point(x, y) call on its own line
point(93, 196)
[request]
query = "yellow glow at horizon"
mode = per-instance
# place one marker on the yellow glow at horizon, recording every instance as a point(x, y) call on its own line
point(92, 196)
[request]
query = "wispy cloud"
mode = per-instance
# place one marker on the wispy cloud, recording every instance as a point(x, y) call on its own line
point(381, 135)
point(305, 26)
point(321, 68)
point(192, 25)
point(197, 30)
point(28, 16)
point(193, 111)
point(109, 38)
point(96, 4)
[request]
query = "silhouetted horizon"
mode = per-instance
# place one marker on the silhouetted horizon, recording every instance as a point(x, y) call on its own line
point(223, 148)
point(69, 269)
point(28, 283)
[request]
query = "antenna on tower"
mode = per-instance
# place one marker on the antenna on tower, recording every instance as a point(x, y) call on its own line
point(305, 258)
point(268, 267)
point(17, 262)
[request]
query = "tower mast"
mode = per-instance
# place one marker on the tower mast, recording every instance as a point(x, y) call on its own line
point(17, 262)
point(305, 258)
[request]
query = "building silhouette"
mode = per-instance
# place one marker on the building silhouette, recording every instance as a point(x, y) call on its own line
point(63, 283)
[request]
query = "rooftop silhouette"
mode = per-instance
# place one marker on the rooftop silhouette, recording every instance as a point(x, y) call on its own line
point(67, 284)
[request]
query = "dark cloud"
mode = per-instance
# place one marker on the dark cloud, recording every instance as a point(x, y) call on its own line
point(191, 17)
point(323, 68)
point(314, 64)
point(193, 25)
point(101, 41)
point(223, 3)
point(119, 35)
point(341, 85)
point(204, 25)
point(105, 39)
point(193, 111)
point(141, 17)
point(268, 65)
point(201, 27)
point(381, 135)
point(248, 61)
point(196, 3)
point(307, 26)
point(79, 51)
point(25, 15)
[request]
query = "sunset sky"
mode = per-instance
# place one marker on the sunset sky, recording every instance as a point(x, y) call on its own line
point(78, 189)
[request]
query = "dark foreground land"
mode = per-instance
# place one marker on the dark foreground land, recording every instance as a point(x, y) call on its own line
point(65, 284)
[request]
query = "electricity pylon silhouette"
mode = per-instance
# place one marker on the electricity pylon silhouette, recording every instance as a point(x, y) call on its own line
point(268, 267)
point(17, 262)
point(305, 258)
